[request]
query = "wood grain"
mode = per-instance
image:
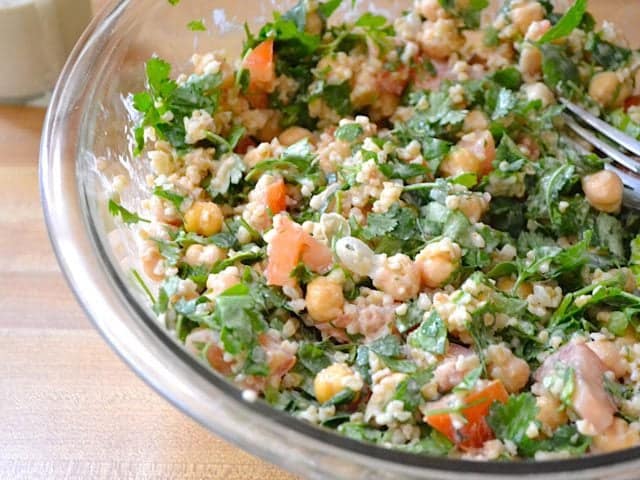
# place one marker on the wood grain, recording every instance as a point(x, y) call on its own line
point(69, 407)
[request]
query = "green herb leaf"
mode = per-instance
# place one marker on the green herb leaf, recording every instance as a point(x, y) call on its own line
point(569, 21)
point(196, 26)
point(510, 421)
point(431, 335)
point(349, 132)
point(117, 210)
point(172, 197)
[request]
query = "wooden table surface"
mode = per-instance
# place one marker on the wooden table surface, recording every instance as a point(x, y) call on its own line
point(69, 407)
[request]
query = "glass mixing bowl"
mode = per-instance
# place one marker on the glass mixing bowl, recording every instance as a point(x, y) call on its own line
point(85, 140)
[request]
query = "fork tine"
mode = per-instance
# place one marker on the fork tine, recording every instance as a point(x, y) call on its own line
point(628, 179)
point(604, 147)
point(603, 127)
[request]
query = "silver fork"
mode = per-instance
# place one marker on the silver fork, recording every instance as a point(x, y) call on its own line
point(626, 166)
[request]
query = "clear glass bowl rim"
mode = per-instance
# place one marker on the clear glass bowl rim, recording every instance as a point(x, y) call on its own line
point(129, 329)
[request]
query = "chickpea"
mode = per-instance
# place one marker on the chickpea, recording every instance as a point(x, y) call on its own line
point(271, 128)
point(203, 255)
point(333, 379)
point(203, 218)
point(607, 89)
point(473, 206)
point(397, 276)
point(503, 365)
point(523, 16)
point(313, 24)
point(618, 436)
point(437, 262)
point(430, 9)
point(603, 191)
point(293, 135)
point(539, 91)
point(609, 353)
point(506, 285)
point(458, 161)
point(530, 62)
point(475, 120)
point(152, 262)
point(324, 299)
point(550, 412)
point(440, 39)
point(537, 29)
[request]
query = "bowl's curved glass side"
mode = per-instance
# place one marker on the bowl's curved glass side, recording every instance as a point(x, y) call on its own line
point(87, 120)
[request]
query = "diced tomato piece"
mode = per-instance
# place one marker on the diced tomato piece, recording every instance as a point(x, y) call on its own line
point(632, 101)
point(475, 431)
point(315, 255)
point(276, 196)
point(394, 81)
point(258, 99)
point(261, 66)
point(287, 247)
point(244, 144)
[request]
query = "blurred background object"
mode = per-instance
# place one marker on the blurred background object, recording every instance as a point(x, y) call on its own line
point(36, 36)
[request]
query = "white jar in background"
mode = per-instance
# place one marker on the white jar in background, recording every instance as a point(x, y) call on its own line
point(35, 38)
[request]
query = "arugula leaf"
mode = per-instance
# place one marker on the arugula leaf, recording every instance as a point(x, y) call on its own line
point(569, 21)
point(349, 132)
point(117, 210)
point(431, 335)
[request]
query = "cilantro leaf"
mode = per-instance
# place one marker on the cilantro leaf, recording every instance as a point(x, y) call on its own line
point(469, 11)
point(172, 197)
point(326, 9)
point(569, 21)
point(607, 54)
point(413, 317)
point(558, 69)
point(349, 132)
point(510, 421)
point(117, 210)
point(408, 390)
point(196, 26)
point(431, 335)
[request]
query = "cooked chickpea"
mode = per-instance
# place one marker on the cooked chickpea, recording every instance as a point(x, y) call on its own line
point(539, 91)
point(203, 218)
point(430, 9)
point(324, 299)
point(603, 191)
point(203, 255)
point(550, 412)
point(524, 15)
point(152, 262)
point(609, 353)
point(458, 161)
point(506, 285)
point(607, 89)
point(437, 262)
point(397, 276)
point(441, 38)
point(618, 436)
point(503, 365)
point(333, 379)
point(293, 135)
point(530, 62)
point(313, 24)
point(475, 120)
point(271, 128)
